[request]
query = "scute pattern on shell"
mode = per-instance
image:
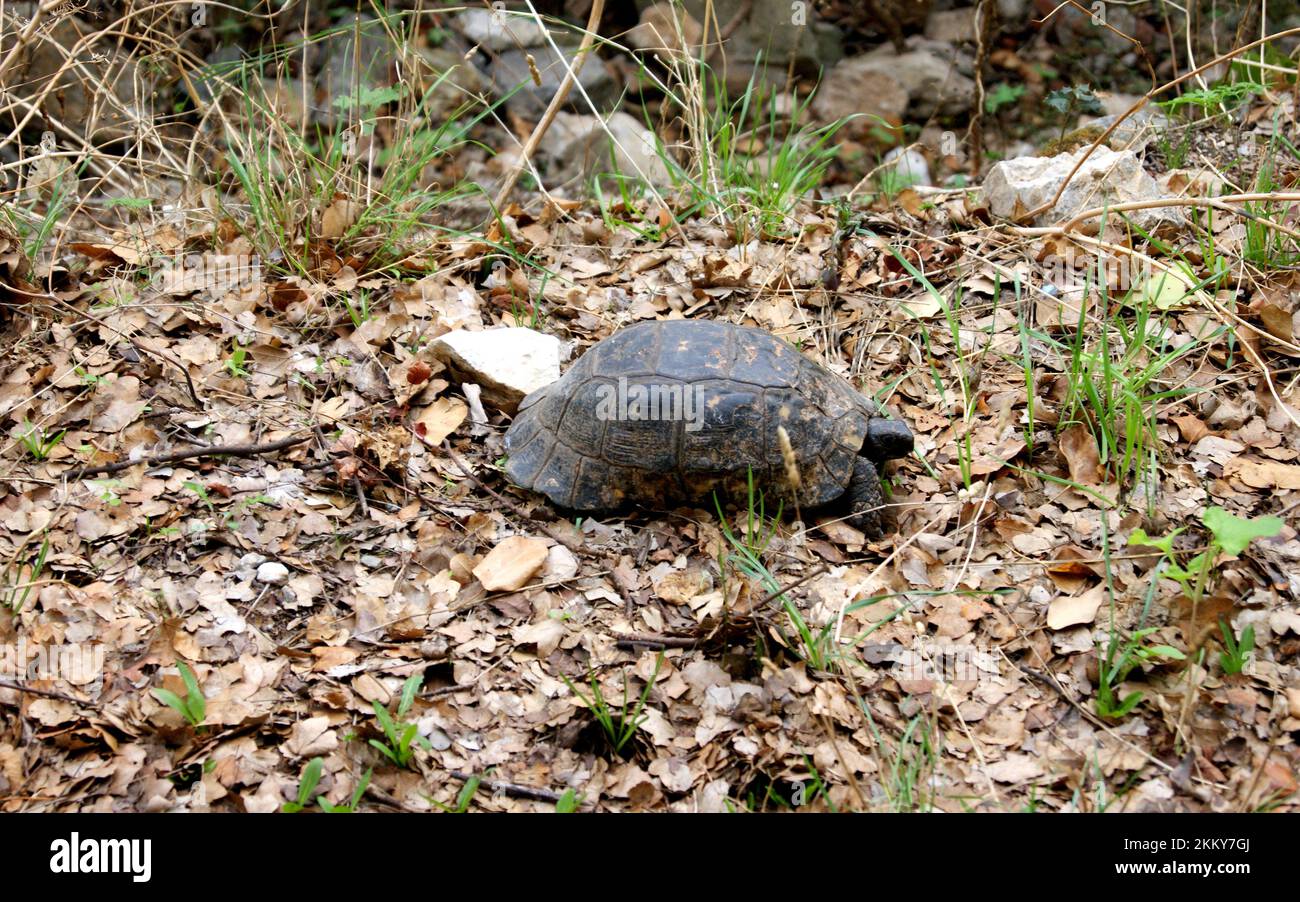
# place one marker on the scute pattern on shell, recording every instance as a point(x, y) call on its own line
point(751, 383)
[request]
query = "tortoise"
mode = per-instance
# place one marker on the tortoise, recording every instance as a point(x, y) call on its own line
point(675, 409)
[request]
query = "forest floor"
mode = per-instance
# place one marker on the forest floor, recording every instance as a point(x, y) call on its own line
point(1089, 602)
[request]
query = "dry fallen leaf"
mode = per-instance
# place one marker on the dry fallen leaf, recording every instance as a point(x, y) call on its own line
point(1072, 610)
point(440, 419)
point(339, 216)
point(1080, 451)
point(511, 564)
point(1263, 474)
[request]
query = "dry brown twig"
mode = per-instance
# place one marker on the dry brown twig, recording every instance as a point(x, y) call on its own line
point(243, 450)
point(45, 693)
point(569, 541)
point(571, 76)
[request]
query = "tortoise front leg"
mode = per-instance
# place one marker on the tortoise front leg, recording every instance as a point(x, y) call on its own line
point(866, 499)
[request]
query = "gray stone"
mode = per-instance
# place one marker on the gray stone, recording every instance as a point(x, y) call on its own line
point(777, 32)
point(951, 26)
point(499, 30)
point(876, 81)
point(510, 70)
point(866, 92)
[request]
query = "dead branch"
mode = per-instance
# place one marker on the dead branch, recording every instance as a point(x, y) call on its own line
point(191, 453)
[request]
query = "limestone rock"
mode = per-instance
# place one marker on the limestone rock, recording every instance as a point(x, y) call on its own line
point(506, 363)
point(1107, 177)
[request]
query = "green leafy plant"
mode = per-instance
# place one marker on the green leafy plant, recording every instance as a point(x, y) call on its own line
point(463, 798)
point(108, 490)
point(1224, 96)
point(568, 803)
point(87, 379)
point(1118, 661)
point(129, 203)
point(620, 726)
point(234, 363)
point(400, 735)
point(1266, 221)
point(306, 786)
point(1002, 94)
point(1070, 101)
point(37, 441)
point(15, 594)
point(1114, 383)
point(359, 312)
point(351, 805)
point(1229, 535)
point(1235, 654)
point(746, 556)
point(192, 706)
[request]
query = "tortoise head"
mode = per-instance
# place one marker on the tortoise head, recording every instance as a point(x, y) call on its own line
point(886, 439)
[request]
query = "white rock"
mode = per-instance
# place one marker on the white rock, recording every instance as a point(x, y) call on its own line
point(498, 30)
point(581, 145)
point(910, 165)
point(1134, 133)
point(1107, 177)
point(273, 573)
point(506, 363)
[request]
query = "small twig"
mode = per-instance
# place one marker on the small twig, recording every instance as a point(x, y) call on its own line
point(45, 693)
point(517, 790)
point(633, 641)
point(323, 444)
point(816, 571)
point(385, 799)
point(568, 541)
point(588, 38)
point(190, 453)
point(975, 130)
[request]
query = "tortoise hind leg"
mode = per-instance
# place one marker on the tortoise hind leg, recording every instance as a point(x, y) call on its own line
point(866, 500)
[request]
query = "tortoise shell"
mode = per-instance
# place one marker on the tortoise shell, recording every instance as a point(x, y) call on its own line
point(672, 410)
